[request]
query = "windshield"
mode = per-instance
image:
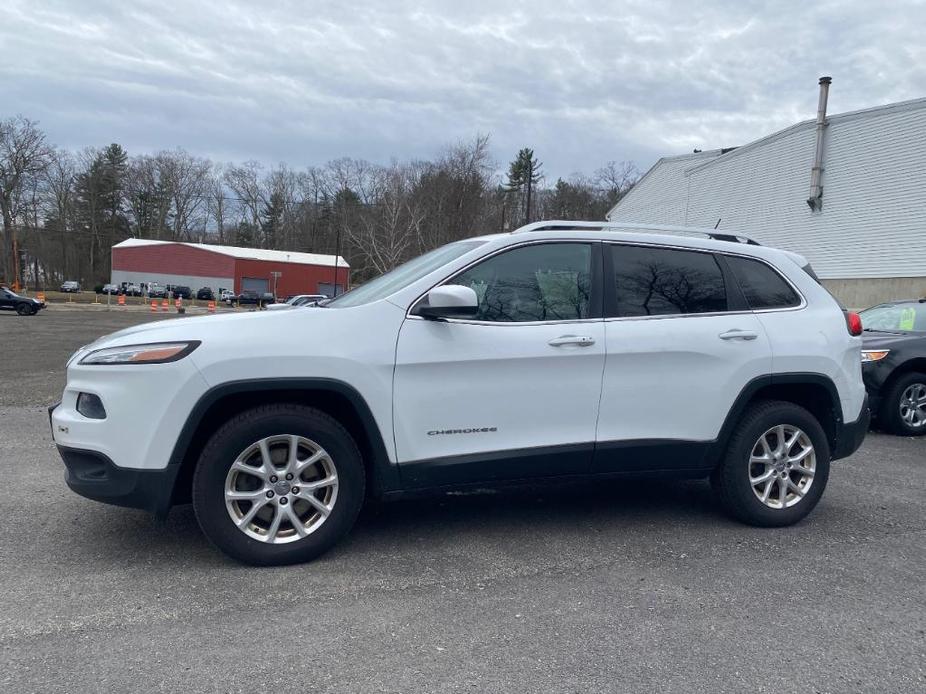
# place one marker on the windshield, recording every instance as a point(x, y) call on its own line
point(905, 317)
point(404, 275)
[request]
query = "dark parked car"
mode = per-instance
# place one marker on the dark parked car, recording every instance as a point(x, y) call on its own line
point(70, 287)
point(248, 297)
point(23, 305)
point(267, 298)
point(894, 365)
point(156, 291)
point(181, 292)
point(205, 294)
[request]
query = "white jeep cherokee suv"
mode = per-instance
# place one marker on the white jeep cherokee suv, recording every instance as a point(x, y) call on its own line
point(564, 348)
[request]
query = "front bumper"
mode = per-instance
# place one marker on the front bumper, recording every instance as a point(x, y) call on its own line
point(850, 435)
point(93, 475)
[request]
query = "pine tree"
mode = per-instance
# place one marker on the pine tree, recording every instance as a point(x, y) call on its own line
point(523, 174)
point(272, 224)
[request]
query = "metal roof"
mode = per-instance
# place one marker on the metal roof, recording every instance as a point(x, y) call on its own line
point(245, 253)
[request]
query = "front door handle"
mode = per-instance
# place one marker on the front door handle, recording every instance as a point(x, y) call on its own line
point(580, 340)
point(738, 335)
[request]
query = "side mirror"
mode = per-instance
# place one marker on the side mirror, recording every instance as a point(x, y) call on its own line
point(449, 301)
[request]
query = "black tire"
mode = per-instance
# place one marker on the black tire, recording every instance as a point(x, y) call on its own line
point(24, 309)
point(730, 479)
point(889, 415)
point(244, 430)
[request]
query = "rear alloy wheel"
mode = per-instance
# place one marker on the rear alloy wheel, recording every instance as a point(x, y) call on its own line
point(278, 484)
point(24, 309)
point(903, 411)
point(782, 466)
point(776, 465)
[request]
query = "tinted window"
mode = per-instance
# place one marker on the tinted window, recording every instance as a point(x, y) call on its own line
point(535, 283)
point(662, 281)
point(762, 286)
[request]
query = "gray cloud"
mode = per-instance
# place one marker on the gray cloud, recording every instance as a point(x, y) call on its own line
point(581, 82)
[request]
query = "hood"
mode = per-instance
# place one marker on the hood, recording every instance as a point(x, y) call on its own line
point(204, 327)
point(884, 340)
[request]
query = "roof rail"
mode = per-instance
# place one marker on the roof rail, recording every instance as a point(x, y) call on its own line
point(561, 225)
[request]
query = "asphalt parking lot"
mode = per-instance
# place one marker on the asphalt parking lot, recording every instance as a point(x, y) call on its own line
point(625, 586)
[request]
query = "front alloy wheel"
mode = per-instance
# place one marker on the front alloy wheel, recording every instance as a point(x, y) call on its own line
point(281, 488)
point(278, 484)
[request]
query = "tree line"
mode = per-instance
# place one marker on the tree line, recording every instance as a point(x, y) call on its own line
point(63, 210)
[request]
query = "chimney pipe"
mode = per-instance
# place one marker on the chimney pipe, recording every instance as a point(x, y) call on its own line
point(815, 201)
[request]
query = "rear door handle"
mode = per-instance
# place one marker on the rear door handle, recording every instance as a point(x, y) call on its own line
point(580, 340)
point(738, 335)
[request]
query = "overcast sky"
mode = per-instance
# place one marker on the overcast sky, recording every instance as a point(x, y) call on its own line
point(580, 82)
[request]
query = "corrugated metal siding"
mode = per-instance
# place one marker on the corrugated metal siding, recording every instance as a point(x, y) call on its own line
point(655, 198)
point(873, 222)
point(172, 258)
point(294, 278)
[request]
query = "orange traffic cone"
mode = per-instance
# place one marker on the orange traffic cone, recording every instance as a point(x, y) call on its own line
point(154, 306)
point(211, 307)
point(122, 299)
point(178, 303)
point(163, 304)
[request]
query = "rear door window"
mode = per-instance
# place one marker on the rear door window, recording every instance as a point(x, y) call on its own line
point(762, 286)
point(664, 281)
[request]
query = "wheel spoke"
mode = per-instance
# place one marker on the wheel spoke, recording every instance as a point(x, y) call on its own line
point(319, 484)
point(239, 466)
point(236, 495)
point(320, 506)
point(790, 443)
point(266, 460)
point(767, 490)
point(796, 488)
point(294, 521)
point(275, 523)
point(249, 516)
point(805, 471)
point(765, 447)
point(801, 456)
point(311, 460)
point(782, 492)
point(780, 435)
point(767, 475)
point(292, 461)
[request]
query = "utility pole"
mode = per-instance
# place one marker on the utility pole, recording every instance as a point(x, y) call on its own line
point(337, 256)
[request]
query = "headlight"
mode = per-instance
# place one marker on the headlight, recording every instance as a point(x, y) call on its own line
point(154, 353)
point(874, 355)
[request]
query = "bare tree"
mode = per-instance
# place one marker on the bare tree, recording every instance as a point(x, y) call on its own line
point(24, 154)
point(616, 179)
point(60, 178)
point(246, 183)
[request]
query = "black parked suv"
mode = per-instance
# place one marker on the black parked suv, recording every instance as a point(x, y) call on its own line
point(248, 297)
point(205, 294)
point(894, 365)
point(182, 292)
point(23, 305)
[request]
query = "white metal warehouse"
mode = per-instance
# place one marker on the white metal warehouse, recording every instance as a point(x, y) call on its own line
point(863, 229)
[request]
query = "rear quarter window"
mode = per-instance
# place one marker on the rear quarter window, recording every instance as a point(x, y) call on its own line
point(763, 287)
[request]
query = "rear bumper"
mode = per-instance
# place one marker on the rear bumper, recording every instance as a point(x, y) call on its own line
point(851, 434)
point(94, 476)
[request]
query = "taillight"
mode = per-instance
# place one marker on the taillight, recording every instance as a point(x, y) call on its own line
point(854, 323)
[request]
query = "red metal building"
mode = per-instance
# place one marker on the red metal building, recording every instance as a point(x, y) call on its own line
point(196, 265)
